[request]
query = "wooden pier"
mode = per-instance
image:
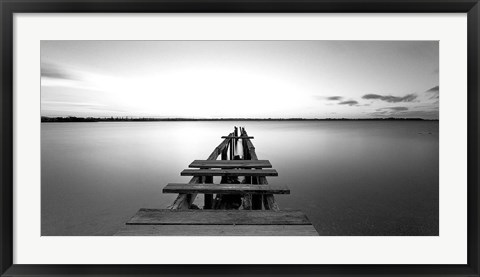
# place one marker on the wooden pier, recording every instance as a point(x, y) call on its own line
point(244, 202)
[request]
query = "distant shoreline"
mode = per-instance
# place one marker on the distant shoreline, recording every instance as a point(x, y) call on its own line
point(143, 119)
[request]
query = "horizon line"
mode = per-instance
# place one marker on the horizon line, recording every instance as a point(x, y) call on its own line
point(146, 118)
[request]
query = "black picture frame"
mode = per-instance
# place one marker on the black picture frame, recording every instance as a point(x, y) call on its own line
point(10, 7)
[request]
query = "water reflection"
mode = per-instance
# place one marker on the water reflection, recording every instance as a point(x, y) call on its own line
point(350, 178)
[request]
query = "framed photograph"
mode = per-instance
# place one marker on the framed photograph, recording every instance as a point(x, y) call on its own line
point(239, 137)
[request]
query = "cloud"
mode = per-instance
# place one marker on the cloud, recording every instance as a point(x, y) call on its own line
point(435, 89)
point(54, 75)
point(389, 98)
point(335, 98)
point(394, 109)
point(56, 72)
point(349, 102)
point(328, 98)
point(389, 111)
point(404, 112)
point(434, 92)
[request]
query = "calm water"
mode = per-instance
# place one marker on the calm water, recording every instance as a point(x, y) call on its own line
point(350, 178)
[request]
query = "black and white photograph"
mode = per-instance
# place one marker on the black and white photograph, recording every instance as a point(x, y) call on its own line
point(239, 138)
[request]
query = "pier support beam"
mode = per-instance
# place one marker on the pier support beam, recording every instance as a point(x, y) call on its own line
point(208, 197)
point(267, 200)
point(184, 201)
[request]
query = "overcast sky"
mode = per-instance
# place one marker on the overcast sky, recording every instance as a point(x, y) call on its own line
point(248, 79)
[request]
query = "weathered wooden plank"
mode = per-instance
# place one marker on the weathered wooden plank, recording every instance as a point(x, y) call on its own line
point(184, 201)
point(238, 137)
point(225, 188)
point(218, 150)
point(229, 172)
point(217, 230)
point(228, 164)
point(218, 217)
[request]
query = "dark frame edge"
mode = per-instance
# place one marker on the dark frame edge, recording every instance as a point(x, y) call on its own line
point(473, 122)
point(8, 8)
point(6, 145)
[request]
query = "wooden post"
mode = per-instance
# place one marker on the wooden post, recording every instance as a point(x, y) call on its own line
point(256, 198)
point(246, 155)
point(231, 148)
point(235, 140)
point(224, 157)
point(225, 154)
point(208, 197)
point(247, 199)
